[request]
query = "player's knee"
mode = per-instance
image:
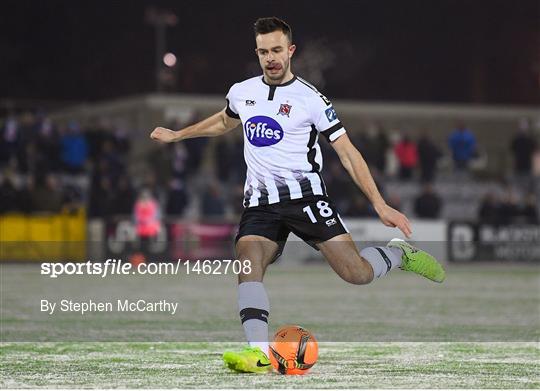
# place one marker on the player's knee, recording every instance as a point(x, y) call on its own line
point(254, 272)
point(358, 275)
point(358, 279)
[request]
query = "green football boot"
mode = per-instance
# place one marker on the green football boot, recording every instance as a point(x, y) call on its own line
point(250, 360)
point(418, 261)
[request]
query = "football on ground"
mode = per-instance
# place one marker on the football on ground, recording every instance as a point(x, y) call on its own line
point(294, 350)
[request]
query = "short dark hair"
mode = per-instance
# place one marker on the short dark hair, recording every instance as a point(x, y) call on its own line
point(271, 24)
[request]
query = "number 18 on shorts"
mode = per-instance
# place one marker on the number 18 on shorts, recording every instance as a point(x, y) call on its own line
point(314, 219)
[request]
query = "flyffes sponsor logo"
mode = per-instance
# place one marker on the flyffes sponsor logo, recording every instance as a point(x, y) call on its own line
point(262, 131)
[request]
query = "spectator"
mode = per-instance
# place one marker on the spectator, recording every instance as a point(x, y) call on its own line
point(363, 144)
point(9, 195)
point(529, 211)
point(488, 212)
point(428, 204)
point(213, 204)
point(47, 196)
point(177, 198)
point(123, 197)
point(95, 136)
point(339, 185)
point(223, 159)
point(147, 220)
point(394, 200)
point(380, 144)
point(72, 199)
point(179, 160)
point(462, 143)
point(121, 141)
point(407, 156)
point(536, 162)
point(110, 157)
point(360, 207)
point(523, 146)
point(194, 146)
point(30, 160)
point(237, 196)
point(101, 197)
point(26, 135)
point(74, 149)
point(429, 155)
point(9, 141)
point(509, 208)
point(47, 146)
point(238, 164)
point(25, 194)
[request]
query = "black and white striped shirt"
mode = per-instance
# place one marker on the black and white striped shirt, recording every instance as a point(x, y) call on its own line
point(282, 124)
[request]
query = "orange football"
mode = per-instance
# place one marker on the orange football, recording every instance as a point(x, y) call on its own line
point(294, 350)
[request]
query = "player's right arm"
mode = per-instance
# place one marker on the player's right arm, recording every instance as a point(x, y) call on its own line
point(215, 125)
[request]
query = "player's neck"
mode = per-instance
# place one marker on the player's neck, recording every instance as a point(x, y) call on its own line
point(288, 77)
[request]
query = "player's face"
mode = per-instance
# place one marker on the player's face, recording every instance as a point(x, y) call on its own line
point(274, 51)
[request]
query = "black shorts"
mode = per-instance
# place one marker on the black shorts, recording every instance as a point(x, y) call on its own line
point(314, 219)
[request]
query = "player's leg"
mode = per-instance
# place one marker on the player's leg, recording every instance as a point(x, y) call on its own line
point(358, 267)
point(259, 251)
point(317, 222)
point(374, 262)
point(260, 240)
point(253, 304)
point(342, 255)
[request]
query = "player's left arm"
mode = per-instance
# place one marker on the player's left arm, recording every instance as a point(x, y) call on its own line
point(358, 169)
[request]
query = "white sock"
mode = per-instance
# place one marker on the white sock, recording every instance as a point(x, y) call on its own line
point(254, 310)
point(382, 259)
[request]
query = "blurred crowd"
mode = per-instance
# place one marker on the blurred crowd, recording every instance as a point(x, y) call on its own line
point(50, 168)
point(507, 209)
point(397, 156)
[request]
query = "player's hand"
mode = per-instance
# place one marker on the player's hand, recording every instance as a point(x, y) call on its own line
point(163, 134)
point(393, 218)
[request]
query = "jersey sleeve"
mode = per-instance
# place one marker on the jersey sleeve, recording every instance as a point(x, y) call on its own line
point(231, 99)
point(325, 118)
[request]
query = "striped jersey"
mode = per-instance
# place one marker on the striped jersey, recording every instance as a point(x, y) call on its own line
point(282, 124)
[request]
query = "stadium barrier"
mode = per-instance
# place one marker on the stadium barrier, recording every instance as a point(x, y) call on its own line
point(178, 239)
point(43, 237)
point(470, 241)
point(71, 237)
point(181, 239)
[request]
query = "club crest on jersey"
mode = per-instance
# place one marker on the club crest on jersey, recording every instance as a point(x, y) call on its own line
point(284, 109)
point(262, 131)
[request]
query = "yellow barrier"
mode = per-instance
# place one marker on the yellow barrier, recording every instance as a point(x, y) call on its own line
point(48, 237)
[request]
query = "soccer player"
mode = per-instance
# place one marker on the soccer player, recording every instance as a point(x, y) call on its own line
point(283, 117)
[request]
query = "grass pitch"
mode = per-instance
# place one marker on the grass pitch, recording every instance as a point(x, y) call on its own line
point(480, 329)
point(341, 365)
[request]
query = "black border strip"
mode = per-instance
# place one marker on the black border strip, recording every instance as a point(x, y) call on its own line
point(328, 132)
point(230, 112)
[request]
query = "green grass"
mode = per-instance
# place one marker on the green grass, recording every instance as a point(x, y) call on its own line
point(479, 329)
point(341, 365)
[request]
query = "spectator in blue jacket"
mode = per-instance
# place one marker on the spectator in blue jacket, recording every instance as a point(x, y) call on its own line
point(463, 145)
point(74, 149)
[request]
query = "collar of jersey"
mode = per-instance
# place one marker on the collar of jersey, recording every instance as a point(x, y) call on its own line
point(280, 85)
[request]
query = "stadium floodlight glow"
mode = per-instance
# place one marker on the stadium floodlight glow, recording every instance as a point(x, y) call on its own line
point(169, 59)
